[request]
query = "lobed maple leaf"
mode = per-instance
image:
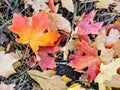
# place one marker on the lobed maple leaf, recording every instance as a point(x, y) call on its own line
point(90, 59)
point(34, 33)
point(85, 27)
point(46, 60)
point(82, 34)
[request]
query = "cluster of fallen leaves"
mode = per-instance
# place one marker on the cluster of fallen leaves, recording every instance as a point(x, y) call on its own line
point(44, 32)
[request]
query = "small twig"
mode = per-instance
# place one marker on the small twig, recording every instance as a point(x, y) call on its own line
point(8, 4)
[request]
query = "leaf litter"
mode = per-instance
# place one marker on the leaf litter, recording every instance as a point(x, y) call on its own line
point(53, 39)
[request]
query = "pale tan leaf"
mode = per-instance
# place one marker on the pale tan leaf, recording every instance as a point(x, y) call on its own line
point(99, 42)
point(59, 22)
point(47, 80)
point(6, 62)
point(114, 82)
point(107, 71)
point(68, 4)
point(103, 3)
point(37, 5)
point(117, 8)
point(107, 55)
point(116, 47)
point(6, 87)
point(113, 36)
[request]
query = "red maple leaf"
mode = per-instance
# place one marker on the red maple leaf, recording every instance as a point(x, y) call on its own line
point(46, 60)
point(85, 27)
point(89, 59)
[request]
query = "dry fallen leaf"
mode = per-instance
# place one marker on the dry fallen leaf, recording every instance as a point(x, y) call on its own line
point(110, 36)
point(37, 5)
point(116, 47)
point(107, 71)
point(113, 36)
point(99, 42)
point(103, 3)
point(57, 21)
point(117, 8)
point(6, 62)
point(107, 55)
point(48, 80)
point(68, 4)
point(6, 87)
point(114, 82)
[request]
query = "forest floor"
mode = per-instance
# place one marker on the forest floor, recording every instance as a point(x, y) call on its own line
point(59, 45)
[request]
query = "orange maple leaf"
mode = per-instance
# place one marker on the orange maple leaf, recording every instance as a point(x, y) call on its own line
point(35, 32)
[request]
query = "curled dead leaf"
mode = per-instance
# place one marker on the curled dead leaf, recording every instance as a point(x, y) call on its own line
point(48, 80)
point(6, 62)
point(57, 21)
point(69, 6)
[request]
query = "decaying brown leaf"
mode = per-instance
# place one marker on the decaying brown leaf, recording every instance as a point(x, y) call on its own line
point(48, 80)
point(6, 62)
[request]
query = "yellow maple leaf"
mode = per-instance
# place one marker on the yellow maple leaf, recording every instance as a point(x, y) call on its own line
point(34, 33)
